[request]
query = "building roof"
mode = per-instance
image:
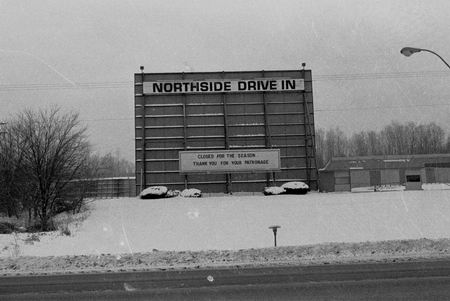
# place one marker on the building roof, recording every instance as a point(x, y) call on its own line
point(387, 162)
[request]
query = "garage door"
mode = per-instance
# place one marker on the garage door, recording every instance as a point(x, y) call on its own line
point(341, 181)
point(360, 178)
point(390, 177)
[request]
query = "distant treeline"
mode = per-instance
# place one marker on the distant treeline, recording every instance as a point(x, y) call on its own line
point(394, 139)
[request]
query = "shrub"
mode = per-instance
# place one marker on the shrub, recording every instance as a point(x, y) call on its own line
point(66, 223)
point(7, 228)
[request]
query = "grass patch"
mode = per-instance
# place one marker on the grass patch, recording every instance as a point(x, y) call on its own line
point(67, 223)
point(8, 227)
point(31, 239)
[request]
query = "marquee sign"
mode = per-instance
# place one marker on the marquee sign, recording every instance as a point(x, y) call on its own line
point(223, 86)
point(229, 161)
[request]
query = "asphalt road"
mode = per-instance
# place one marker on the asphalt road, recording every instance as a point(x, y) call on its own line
point(419, 280)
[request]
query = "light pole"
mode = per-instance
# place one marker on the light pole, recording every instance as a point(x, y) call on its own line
point(408, 51)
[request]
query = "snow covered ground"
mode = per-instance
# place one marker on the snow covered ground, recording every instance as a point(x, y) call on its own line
point(130, 225)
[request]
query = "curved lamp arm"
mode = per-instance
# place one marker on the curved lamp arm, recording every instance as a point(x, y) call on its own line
point(408, 51)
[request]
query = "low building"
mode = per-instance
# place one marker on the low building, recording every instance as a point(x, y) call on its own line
point(350, 173)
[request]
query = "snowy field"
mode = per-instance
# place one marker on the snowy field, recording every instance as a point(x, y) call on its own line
point(130, 225)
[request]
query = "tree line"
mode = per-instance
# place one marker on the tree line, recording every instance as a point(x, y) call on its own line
point(394, 139)
point(45, 159)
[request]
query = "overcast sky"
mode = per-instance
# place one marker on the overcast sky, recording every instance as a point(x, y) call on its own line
point(82, 56)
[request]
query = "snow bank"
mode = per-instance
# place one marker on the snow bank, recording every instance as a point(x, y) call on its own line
point(436, 186)
point(133, 225)
point(302, 255)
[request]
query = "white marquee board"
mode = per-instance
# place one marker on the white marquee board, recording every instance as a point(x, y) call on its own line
point(249, 160)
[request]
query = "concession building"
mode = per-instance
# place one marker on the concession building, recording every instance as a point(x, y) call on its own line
point(411, 171)
point(224, 131)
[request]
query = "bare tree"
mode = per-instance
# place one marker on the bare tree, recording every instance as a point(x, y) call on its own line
point(55, 148)
point(436, 135)
point(336, 143)
point(393, 139)
point(373, 143)
point(12, 196)
point(320, 147)
point(82, 188)
point(447, 145)
point(114, 166)
point(359, 144)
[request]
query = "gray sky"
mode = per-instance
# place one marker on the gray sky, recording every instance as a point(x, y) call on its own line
point(82, 54)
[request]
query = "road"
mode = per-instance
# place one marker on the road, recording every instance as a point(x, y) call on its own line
point(419, 280)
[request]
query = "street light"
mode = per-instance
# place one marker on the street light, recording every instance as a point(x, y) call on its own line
point(408, 51)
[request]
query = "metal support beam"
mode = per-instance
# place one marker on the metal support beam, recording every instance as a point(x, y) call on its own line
point(309, 140)
point(185, 131)
point(268, 136)
point(229, 180)
point(143, 142)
